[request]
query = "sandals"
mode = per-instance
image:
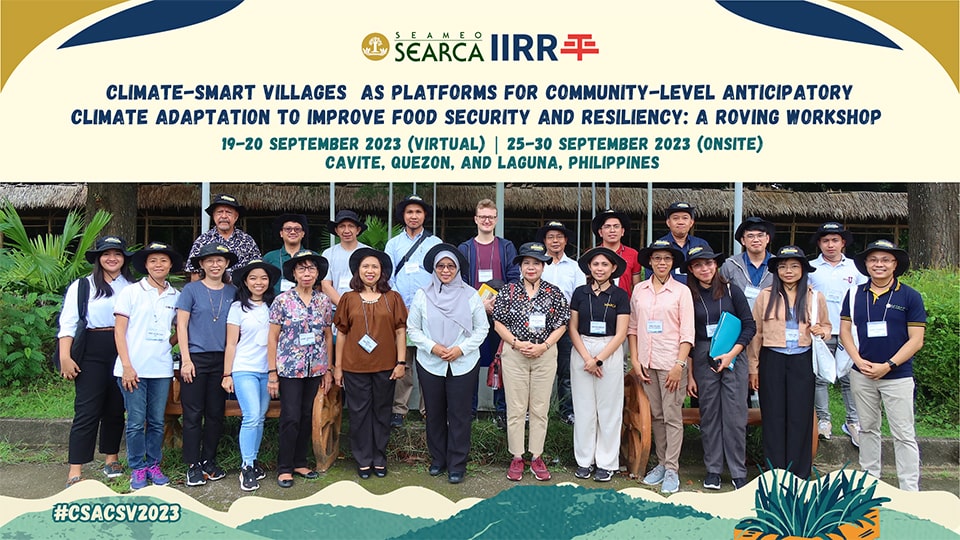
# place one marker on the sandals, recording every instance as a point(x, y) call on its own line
point(73, 480)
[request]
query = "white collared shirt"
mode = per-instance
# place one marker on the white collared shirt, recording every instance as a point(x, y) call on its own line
point(834, 282)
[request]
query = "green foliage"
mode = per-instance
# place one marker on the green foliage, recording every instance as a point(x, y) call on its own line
point(27, 333)
point(378, 233)
point(936, 366)
point(47, 263)
point(789, 506)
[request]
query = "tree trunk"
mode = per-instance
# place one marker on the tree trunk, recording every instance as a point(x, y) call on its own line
point(934, 224)
point(120, 199)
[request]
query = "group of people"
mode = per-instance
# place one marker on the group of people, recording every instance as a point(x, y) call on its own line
point(294, 322)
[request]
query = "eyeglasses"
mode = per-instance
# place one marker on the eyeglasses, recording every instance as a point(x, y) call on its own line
point(446, 267)
point(666, 258)
point(487, 218)
point(306, 268)
point(880, 260)
point(611, 226)
point(755, 236)
point(292, 229)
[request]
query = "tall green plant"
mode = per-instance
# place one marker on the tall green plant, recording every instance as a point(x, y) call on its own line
point(378, 233)
point(48, 263)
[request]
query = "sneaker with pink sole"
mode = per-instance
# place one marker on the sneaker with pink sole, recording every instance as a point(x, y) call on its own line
point(515, 472)
point(539, 469)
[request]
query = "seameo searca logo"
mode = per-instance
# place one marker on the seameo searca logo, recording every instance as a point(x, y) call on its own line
point(375, 46)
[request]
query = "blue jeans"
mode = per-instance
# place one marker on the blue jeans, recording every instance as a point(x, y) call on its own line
point(144, 432)
point(251, 390)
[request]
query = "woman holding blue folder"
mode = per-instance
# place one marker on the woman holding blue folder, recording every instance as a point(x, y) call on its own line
point(718, 379)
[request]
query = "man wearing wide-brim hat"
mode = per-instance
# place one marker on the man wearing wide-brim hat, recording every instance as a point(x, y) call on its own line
point(348, 227)
point(836, 274)
point(680, 217)
point(294, 231)
point(881, 327)
point(224, 211)
point(406, 251)
point(749, 270)
point(611, 227)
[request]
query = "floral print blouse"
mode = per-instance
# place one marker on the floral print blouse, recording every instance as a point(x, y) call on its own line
point(298, 354)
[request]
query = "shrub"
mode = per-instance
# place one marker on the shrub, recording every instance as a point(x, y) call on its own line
point(937, 365)
point(27, 332)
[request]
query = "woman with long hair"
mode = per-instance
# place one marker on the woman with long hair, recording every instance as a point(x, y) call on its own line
point(530, 315)
point(202, 312)
point(245, 369)
point(371, 323)
point(720, 382)
point(98, 403)
point(298, 356)
point(660, 335)
point(781, 366)
point(599, 315)
point(447, 323)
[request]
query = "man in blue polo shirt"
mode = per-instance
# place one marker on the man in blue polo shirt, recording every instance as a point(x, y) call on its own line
point(881, 327)
point(680, 219)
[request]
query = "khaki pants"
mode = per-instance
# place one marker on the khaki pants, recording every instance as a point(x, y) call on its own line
point(666, 410)
point(896, 398)
point(527, 384)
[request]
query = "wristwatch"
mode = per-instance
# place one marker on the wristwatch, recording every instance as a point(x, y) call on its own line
point(893, 365)
point(599, 363)
point(682, 363)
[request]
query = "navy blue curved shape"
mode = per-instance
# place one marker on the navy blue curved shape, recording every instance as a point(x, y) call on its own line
point(151, 18)
point(806, 18)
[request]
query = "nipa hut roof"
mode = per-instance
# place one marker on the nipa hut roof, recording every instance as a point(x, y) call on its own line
point(710, 202)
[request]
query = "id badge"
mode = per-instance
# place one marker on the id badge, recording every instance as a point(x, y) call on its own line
point(367, 343)
point(792, 334)
point(411, 268)
point(711, 329)
point(751, 292)
point(598, 327)
point(654, 327)
point(307, 338)
point(484, 275)
point(344, 284)
point(877, 329)
point(538, 321)
point(835, 297)
point(156, 333)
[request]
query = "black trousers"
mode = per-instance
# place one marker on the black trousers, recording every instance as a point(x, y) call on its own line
point(369, 398)
point(448, 423)
point(786, 403)
point(204, 403)
point(98, 403)
point(296, 421)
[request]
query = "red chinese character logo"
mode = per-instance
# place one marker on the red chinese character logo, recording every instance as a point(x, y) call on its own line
point(579, 44)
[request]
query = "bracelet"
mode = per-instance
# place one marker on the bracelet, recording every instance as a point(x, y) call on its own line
point(225, 375)
point(402, 363)
point(271, 371)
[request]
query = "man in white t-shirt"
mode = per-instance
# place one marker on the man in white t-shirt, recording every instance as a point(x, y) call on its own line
point(348, 227)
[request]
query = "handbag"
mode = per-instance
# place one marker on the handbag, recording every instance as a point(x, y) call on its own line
point(494, 372)
point(79, 345)
point(824, 364)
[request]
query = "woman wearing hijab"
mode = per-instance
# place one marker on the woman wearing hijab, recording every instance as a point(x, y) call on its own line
point(371, 354)
point(599, 314)
point(98, 403)
point(447, 323)
point(781, 363)
point(719, 381)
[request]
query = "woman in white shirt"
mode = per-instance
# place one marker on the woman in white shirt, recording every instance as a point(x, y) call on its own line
point(98, 402)
point(447, 323)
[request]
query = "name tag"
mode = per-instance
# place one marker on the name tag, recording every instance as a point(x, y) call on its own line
point(792, 334)
point(286, 285)
point(367, 343)
point(835, 297)
point(877, 329)
point(751, 292)
point(158, 333)
point(484, 275)
point(411, 268)
point(538, 321)
point(654, 327)
point(598, 327)
point(344, 283)
point(711, 330)
point(307, 338)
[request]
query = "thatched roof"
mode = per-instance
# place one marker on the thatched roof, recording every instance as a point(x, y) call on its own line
point(771, 203)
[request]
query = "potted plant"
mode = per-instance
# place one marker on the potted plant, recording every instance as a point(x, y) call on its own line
point(841, 506)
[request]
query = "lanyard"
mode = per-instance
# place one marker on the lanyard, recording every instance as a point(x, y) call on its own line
point(885, 308)
point(606, 306)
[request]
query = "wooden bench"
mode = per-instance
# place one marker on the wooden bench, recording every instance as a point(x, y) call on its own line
point(635, 436)
point(327, 416)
